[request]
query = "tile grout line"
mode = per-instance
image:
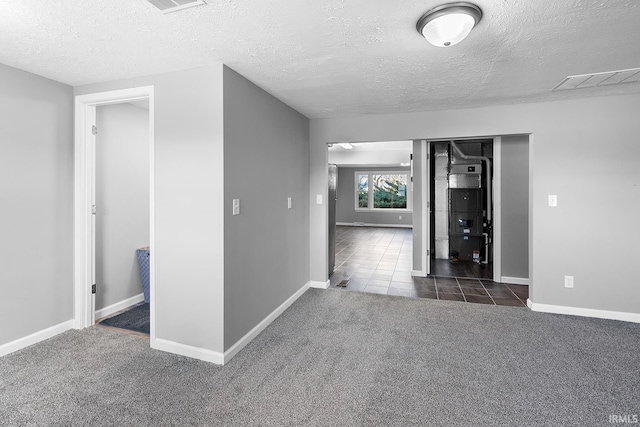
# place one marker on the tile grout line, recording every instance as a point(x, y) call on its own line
point(435, 285)
point(488, 293)
point(514, 294)
point(461, 291)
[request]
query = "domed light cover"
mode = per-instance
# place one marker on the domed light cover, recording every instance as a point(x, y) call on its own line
point(449, 24)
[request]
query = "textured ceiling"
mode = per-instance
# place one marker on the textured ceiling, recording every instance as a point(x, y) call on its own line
point(330, 58)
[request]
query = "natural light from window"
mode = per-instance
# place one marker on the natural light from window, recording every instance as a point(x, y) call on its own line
point(382, 190)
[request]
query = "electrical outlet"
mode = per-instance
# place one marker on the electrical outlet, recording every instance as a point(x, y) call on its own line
point(568, 281)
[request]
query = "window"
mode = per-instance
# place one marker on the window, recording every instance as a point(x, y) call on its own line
point(382, 190)
point(363, 190)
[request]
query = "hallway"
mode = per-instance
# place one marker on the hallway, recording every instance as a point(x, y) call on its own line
point(378, 260)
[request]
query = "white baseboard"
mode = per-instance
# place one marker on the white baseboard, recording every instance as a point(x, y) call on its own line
point(222, 358)
point(514, 280)
point(363, 224)
point(188, 351)
point(242, 342)
point(319, 285)
point(34, 338)
point(418, 273)
point(585, 312)
point(113, 308)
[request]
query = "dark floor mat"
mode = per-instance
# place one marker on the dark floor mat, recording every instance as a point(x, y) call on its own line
point(137, 319)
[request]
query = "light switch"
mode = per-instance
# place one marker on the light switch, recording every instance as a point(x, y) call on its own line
point(553, 200)
point(288, 202)
point(319, 199)
point(236, 206)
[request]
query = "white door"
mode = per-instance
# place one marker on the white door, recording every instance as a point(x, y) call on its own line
point(421, 175)
point(426, 206)
point(91, 148)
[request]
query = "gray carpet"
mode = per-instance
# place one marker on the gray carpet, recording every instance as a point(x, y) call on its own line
point(342, 358)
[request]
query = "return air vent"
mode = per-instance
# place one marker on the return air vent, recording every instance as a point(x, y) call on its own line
point(599, 79)
point(168, 6)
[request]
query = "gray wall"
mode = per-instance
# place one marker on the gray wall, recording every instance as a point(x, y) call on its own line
point(266, 160)
point(584, 150)
point(188, 210)
point(36, 195)
point(218, 276)
point(515, 206)
point(345, 208)
point(122, 199)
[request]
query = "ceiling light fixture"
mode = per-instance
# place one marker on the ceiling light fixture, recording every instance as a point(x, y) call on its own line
point(449, 24)
point(346, 145)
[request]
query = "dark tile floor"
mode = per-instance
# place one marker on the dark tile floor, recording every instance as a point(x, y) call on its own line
point(379, 260)
point(444, 267)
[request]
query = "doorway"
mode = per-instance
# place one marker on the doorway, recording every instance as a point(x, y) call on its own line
point(122, 216)
point(370, 223)
point(462, 213)
point(495, 288)
point(102, 176)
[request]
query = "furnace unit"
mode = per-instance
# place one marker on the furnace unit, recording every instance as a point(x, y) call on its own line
point(466, 219)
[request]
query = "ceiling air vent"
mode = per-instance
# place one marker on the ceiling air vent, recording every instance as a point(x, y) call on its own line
point(168, 6)
point(599, 79)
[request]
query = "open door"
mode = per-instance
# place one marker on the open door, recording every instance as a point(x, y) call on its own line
point(426, 203)
point(420, 173)
point(91, 172)
point(332, 199)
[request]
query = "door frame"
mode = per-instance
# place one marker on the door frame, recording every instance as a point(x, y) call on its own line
point(84, 198)
point(496, 193)
point(425, 181)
